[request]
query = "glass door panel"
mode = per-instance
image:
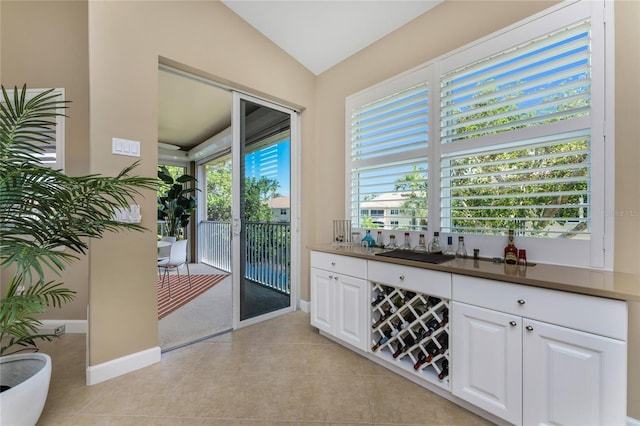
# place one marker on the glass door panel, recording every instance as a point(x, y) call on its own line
point(262, 212)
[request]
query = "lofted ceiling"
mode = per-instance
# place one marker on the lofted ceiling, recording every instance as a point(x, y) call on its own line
point(317, 33)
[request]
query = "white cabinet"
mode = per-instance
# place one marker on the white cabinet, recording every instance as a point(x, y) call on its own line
point(572, 377)
point(487, 360)
point(339, 297)
point(527, 371)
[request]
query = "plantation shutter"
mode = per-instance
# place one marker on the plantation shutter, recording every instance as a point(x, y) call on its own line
point(388, 158)
point(516, 140)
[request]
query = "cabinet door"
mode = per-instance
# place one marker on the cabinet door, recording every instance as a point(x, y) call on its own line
point(322, 299)
point(486, 360)
point(351, 311)
point(572, 377)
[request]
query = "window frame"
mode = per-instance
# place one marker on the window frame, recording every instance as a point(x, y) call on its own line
point(597, 252)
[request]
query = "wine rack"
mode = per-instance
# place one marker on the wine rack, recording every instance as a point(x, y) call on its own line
point(411, 331)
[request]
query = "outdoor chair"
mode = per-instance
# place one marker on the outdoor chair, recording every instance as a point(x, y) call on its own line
point(177, 258)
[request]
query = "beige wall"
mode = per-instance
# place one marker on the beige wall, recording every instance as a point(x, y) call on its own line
point(45, 44)
point(125, 41)
point(627, 157)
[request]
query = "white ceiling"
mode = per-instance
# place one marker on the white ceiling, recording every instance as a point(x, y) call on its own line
point(321, 33)
point(317, 33)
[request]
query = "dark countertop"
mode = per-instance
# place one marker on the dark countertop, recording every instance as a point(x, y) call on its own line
point(593, 282)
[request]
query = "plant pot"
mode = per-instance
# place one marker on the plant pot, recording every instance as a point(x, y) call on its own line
point(28, 375)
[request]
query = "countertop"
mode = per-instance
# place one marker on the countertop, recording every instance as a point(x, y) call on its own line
point(609, 284)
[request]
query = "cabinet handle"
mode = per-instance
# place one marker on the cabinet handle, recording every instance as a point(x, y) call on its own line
point(529, 328)
point(520, 301)
point(513, 323)
point(335, 278)
point(401, 277)
point(333, 263)
point(330, 277)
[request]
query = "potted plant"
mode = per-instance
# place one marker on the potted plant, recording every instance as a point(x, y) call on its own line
point(177, 203)
point(46, 220)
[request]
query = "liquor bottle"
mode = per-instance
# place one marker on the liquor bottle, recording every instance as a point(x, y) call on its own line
point(432, 325)
point(443, 341)
point(444, 369)
point(379, 240)
point(449, 251)
point(376, 300)
point(392, 243)
point(461, 251)
point(408, 342)
point(510, 251)
point(369, 239)
point(445, 317)
point(434, 245)
point(407, 242)
point(422, 246)
point(384, 339)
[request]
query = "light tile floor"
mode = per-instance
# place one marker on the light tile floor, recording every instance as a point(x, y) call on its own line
point(280, 372)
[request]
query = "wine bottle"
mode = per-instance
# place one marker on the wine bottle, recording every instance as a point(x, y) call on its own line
point(397, 302)
point(444, 369)
point(408, 342)
point(433, 301)
point(421, 334)
point(422, 358)
point(409, 295)
point(384, 339)
point(510, 251)
point(432, 325)
point(377, 300)
point(443, 341)
point(387, 289)
point(385, 314)
point(432, 350)
point(445, 317)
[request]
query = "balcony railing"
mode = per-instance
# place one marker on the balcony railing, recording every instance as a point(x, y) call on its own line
point(267, 251)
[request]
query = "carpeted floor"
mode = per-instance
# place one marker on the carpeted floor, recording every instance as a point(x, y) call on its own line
point(181, 293)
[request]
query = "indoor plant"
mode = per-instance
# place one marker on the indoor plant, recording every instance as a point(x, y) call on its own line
point(46, 219)
point(177, 203)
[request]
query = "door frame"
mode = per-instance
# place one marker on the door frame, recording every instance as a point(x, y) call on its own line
point(236, 222)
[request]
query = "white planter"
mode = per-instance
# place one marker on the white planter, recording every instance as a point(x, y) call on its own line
point(29, 376)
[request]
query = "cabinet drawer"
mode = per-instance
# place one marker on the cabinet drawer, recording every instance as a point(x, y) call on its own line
point(591, 314)
point(346, 265)
point(434, 283)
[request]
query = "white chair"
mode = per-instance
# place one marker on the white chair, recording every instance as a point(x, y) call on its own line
point(177, 258)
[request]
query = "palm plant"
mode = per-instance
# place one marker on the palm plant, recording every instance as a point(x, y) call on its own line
point(46, 217)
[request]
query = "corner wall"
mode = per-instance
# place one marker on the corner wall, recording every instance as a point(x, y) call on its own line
point(126, 40)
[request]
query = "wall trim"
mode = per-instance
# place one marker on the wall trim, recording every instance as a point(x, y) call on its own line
point(71, 326)
point(306, 307)
point(123, 365)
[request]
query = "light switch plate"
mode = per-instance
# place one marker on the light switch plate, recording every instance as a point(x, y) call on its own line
point(125, 147)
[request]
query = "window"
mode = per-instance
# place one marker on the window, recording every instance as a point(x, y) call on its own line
point(516, 134)
point(52, 154)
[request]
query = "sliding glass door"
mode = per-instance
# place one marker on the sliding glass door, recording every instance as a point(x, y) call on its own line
point(264, 210)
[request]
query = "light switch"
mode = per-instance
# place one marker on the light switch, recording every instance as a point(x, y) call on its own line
point(125, 147)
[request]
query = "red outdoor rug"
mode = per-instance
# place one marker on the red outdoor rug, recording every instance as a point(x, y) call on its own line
point(181, 294)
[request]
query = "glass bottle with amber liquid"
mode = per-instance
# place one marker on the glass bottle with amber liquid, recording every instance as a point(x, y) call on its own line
point(510, 251)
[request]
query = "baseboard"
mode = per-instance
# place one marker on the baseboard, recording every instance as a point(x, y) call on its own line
point(305, 306)
point(71, 326)
point(632, 422)
point(119, 366)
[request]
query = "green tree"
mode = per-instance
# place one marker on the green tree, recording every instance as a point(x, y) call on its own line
point(257, 194)
point(413, 188)
point(219, 192)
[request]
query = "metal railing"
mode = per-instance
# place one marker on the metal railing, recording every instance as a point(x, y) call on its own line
point(267, 251)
